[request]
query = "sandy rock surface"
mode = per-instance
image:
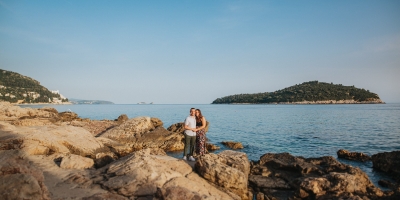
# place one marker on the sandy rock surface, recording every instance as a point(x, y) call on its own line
point(45, 139)
point(228, 170)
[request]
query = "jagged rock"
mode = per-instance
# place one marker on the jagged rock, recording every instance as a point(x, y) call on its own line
point(49, 109)
point(130, 131)
point(353, 155)
point(102, 159)
point(119, 149)
point(284, 176)
point(212, 147)
point(388, 184)
point(228, 170)
point(19, 179)
point(289, 163)
point(388, 162)
point(68, 116)
point(160, 138)
point(57, 139)
point(269, 182)
point(105, 196)
point(150, 173)
point(156, 122)
point(122, 118)
point(140, 132)
point(233, 145)
point(177, 128)
point(177, 193)
point(34, 147)
point(76, 162)
point(9, 112)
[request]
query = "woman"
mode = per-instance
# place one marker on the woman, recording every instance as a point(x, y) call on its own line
point(200, 133)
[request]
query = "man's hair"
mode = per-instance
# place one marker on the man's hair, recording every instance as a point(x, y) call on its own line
point(193, 108)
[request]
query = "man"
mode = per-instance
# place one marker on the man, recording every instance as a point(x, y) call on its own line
point(190, 135)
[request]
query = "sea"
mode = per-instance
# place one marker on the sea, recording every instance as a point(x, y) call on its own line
point(301, 130)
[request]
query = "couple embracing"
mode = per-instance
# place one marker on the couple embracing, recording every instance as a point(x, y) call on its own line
point(195, 134)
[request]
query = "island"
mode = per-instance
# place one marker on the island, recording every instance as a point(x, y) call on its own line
point(312, 92)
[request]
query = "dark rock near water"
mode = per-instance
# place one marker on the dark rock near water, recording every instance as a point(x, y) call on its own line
point(283, 176)
point(233, 145)
point(353, 155)
point(388, 162)
point(212, 147)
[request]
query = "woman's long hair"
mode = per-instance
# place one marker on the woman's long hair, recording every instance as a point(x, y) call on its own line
point(200, 117)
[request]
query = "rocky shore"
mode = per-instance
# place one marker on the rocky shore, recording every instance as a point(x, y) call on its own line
point(45, 154)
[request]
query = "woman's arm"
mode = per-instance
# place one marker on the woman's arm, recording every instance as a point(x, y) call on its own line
point(204, 122)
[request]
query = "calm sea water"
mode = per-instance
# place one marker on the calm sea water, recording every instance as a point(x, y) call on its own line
point(301, 130)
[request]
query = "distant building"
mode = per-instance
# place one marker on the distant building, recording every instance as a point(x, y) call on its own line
point(58, 92)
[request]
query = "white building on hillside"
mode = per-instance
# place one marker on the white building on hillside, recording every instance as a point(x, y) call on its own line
point(58, 92)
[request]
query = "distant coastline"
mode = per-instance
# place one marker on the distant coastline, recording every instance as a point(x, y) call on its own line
point(82, 101)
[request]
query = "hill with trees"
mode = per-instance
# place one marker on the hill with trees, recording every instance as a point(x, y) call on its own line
point(313, 92)
point(16, 88)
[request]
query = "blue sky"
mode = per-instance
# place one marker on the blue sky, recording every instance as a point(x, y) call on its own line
point(172, 52)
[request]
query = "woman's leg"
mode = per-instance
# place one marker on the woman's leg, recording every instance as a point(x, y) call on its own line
point(192, 144)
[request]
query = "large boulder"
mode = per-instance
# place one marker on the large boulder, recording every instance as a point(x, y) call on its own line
point(76, 162)
point(284, 176)
point(228, 170)
point(35, 117)
point(19, 179)
point(388, 162)
point(117, 148)
point(150, 173)
point(145, 132)
point(9, 112)
point(49, 139)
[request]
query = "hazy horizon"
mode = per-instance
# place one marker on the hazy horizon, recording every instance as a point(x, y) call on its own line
point(193, 52)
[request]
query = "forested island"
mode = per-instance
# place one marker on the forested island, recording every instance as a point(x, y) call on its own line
point(312, 92)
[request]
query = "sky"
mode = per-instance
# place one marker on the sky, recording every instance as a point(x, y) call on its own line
point(193, 52)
